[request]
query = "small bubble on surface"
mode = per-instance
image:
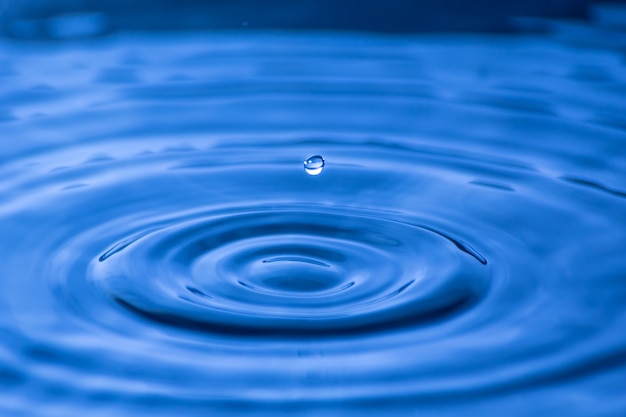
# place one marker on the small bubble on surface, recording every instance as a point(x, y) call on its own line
point(314, 165)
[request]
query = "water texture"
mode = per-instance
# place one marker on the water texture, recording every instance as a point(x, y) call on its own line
point(460, 251)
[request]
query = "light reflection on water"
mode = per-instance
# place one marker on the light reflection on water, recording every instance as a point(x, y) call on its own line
point(163, 252)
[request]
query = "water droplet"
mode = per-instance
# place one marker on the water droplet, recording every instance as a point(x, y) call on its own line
point(314, 165)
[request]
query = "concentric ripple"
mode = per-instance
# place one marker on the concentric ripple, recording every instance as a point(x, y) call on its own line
point(290, 272)
point(164, 253)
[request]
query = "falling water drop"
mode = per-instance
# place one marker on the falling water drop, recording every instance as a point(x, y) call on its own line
point(314, 165)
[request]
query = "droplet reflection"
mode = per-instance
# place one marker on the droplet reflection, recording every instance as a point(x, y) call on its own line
point(314, 165)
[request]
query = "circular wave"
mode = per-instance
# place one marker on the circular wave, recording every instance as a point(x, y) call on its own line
point(170, 249)
point(304, 272)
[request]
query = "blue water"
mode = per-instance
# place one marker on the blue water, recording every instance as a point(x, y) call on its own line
point(165, 251)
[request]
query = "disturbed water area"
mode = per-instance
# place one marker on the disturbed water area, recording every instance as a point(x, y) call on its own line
point(459, 250)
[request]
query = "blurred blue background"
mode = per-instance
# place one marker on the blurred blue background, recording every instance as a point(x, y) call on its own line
point(22, 18)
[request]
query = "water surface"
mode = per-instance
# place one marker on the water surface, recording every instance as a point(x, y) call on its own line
point(461, 253)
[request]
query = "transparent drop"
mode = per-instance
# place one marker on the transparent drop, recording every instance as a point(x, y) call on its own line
point(314, 165)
